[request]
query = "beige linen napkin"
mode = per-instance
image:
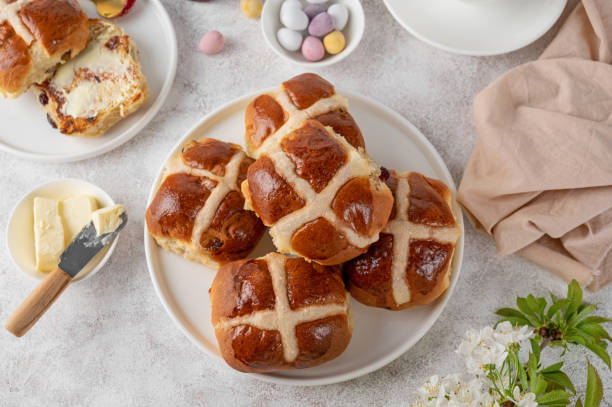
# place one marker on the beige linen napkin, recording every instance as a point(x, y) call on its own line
point(540, 177)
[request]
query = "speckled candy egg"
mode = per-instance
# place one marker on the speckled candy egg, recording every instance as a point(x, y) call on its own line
point(334, 42)
point(322, 24)
point(211, 43)
point(251, 8)
point(312, 49)
point(314, 9)
point(340, 14)
point(289, 39)
point(293, 18)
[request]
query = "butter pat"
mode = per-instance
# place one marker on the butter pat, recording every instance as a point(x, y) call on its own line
point(48, 234)
point(76, 212)
point(107, 220)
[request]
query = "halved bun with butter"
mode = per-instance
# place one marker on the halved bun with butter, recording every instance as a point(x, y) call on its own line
point(35, 37)
point(99, 87)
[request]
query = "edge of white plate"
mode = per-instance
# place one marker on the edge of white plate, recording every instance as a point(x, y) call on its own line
point(475, 53)
point(132, 131)
point(337, 378)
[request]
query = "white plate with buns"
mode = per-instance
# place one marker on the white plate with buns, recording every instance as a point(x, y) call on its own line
point(28, 123)
point(379, 335)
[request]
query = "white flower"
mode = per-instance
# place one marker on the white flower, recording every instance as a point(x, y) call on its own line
point(455, 391)
point(490, 346)
point(523, 400)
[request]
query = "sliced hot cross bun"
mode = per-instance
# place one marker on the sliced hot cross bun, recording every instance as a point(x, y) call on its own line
point(35, 37)
point(270, 117)
point(321, 197)
point(278, 312)
point(410, 264)
point(197, 210)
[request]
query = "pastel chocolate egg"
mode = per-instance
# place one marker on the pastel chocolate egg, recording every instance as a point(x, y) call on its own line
point(312, 49)
point(334, 42)
point(340, 14)
point(251, 8)
point(321, 24)
point(289, 39)
point(291, 3)
point(294, 18)
point(212, 42)
point(313, 9)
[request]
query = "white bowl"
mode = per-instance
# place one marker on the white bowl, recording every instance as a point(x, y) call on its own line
point(20, 230)
point(353, 31)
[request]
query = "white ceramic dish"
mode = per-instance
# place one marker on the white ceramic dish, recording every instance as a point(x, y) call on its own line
point(25, 131)
point(477, 27)
point(270, 24)
point(379, 336)
point(20, 230)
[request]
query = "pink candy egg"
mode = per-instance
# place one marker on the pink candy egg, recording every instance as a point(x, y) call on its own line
point(321, 24)
point(212, 42)
point(313, 49)
point(314, 9)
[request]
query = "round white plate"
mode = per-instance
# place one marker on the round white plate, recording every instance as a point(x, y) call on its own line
point(25, 131)
point(379, 336)
point(477, 27)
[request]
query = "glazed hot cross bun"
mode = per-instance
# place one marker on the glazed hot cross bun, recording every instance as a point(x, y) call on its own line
point(278, 313)
point(197, 210)
point(270, 117)
point(35, 37)
point(321, 197)
point(410, 264)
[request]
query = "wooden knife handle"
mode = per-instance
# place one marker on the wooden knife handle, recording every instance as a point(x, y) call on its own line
point(38, 302)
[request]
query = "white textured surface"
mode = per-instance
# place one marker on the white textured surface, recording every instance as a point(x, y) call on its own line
point(108, 341)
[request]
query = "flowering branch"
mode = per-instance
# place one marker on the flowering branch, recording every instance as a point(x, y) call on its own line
point(496, 377)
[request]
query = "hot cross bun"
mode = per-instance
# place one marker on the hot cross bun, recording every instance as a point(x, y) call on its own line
point(277, 313)
point(321, 197)
point(270, 117)
point(197, 210)
point(410, 264)
point(35, 37)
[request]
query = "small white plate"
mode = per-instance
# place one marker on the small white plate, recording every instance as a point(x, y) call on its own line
point(25, 131)
point(477, 27)
point(20, 230)
point(270, 24)
point(379, 335)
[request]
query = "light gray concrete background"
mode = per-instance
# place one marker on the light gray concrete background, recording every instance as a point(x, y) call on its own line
point(109, 342)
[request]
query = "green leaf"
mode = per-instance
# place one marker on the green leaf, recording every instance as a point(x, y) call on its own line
point(596, 320)
point(554, 397)
point(594, 390)
point(520, 371)
point(510, 312)
point(579, 403)
point(535, 349)
point(595, 330)
point(556, 307)
point(561, 379)
point(553, 368)
point(514, 321)
point(581, 316)
point(574, 295)
point(600, 351)
point(529, 313)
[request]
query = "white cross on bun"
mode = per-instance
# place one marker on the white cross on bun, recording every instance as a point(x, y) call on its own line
point(320, 196)
point(278, 313)
point(410, 264)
